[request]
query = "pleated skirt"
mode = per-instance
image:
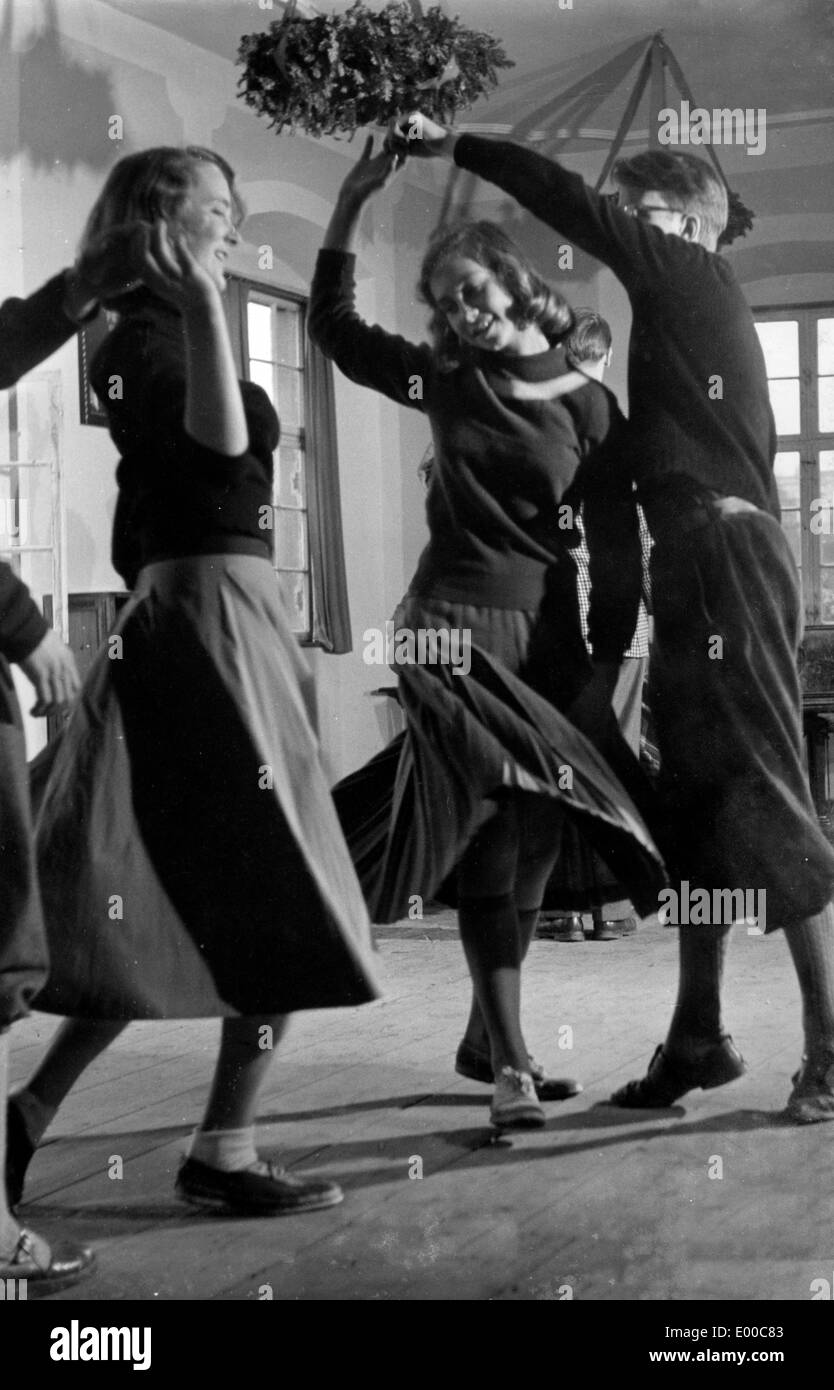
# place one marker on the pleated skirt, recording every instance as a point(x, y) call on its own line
point(476, 735)
point(190, 858)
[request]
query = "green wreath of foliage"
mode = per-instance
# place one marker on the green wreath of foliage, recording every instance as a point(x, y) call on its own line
point(335, 73)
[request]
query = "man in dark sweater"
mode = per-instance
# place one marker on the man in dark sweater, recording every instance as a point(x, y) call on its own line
point(737, 815)
point(30, 331)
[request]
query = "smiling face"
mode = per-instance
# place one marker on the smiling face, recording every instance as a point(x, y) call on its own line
point(479, 310)
point(206, 216)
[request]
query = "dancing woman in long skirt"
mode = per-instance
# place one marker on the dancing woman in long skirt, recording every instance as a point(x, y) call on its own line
point(191, 860)
point(488, 764)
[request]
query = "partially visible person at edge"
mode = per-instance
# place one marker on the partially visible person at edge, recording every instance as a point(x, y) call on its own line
point(31, 330)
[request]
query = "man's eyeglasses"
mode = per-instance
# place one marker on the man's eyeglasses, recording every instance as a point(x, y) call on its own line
point(644, 210)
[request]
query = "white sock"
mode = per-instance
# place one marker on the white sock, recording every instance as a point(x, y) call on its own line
point(230, 1150)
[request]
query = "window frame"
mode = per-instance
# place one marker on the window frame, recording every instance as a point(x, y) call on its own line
point(329, 611)
point(809, 443)
point(269, 296)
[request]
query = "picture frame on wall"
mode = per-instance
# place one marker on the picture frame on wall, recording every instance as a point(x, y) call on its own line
point(90, 337)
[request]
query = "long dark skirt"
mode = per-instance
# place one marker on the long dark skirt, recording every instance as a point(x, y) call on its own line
point(724, 691)
point(190, 858)
point(474, 738)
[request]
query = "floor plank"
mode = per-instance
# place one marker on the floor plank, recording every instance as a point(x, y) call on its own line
point(600, 1205)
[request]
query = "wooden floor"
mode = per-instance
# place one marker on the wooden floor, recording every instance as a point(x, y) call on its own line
point(601, 1205)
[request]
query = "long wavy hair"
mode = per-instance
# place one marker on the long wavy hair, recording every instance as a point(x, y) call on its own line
point(148, 185)
point(534, 301)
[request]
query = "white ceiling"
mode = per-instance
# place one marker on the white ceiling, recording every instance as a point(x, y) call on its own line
point(776, 54)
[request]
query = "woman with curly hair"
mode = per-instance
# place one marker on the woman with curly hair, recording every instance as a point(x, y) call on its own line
point(487, 765)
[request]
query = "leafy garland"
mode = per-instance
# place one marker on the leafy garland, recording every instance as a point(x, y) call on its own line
point(335, 73)
point(739, 219)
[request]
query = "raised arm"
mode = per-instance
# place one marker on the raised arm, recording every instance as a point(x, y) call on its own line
point(32, 329)
point(365, 353)
point(552, 193)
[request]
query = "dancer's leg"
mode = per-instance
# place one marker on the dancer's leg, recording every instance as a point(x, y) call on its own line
point(697, 1017)
point(697, 1052)
point(24, 1255)
point(9, 1228)
point(226, 1137)
point(490, 933)
point(539, 827)
point(77, 1043)
point(811, 944)
point(246, 1051)
point(223, 1170)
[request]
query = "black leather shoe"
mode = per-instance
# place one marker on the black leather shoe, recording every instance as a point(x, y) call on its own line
point(67, 1264)
point(812, 1097)
point(475, 1066)
point(669, 1078)
point(275, 1193)
point(560, 927)
point(612, 931)
point(19, 1151)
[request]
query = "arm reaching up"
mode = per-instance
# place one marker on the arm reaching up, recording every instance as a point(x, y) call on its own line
point(370, 174)
point(364, 352)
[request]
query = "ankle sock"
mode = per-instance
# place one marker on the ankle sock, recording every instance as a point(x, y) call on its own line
point(229, 1150)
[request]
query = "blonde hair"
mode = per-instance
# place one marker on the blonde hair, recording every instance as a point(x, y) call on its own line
point(151, 184)
point(534, 301)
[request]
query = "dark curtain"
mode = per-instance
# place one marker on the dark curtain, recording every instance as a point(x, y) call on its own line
point(330, 615)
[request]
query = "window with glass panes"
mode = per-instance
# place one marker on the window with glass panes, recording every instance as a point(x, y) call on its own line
point(275, 352)
point(798, 346)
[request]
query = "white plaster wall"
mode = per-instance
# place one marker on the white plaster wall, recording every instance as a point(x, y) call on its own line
point(57, 89)
point(171, 92)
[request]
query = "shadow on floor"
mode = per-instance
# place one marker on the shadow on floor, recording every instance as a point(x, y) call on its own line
point(467, 1145)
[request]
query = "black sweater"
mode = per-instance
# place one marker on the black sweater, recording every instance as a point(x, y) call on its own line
point(503, 466)
point(176, 497)
point(691, 325)
point(30, 331)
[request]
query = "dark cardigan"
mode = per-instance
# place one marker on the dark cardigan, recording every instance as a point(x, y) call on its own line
point(699, 412)
point(176, 497)
point(509, 472)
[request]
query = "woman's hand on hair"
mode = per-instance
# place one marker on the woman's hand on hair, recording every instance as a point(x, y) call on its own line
point(109, 266)
point(370, 173)
point(416, 134)
point(170, 270)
